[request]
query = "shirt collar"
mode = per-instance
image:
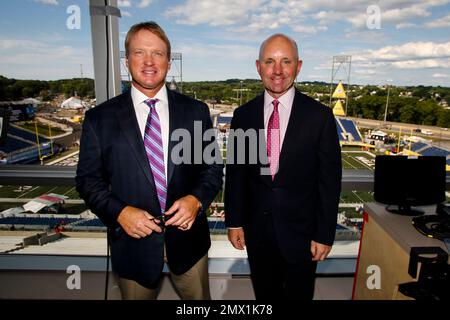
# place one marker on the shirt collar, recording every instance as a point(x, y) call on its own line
point(139, 97)
point(285, 100)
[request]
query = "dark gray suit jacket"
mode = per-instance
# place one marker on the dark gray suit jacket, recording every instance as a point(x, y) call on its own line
point(113, 172)
point(304, 196)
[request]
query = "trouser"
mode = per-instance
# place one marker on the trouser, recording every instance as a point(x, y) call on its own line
point(273, 278)
point(191, 285)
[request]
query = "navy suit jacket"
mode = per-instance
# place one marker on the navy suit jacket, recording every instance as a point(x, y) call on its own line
point(303, 198)
point(113, 172)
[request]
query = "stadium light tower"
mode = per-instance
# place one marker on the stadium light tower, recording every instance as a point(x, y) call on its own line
point(176, 70)
point(342, 64)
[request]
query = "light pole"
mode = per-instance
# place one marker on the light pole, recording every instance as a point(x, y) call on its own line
point(241, 95)
point(387, 102)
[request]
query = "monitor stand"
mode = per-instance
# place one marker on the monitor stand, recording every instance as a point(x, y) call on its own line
point(405, 210)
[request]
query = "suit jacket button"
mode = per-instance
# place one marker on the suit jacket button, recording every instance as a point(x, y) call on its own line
point(266, 213)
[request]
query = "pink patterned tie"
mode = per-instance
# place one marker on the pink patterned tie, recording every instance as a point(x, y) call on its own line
point(154, 148)
point(273, 139)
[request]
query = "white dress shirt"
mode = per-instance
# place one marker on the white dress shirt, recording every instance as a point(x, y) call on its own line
point(284, 110)
point(142, 110)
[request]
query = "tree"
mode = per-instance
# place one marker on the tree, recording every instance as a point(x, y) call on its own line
point(443, 118)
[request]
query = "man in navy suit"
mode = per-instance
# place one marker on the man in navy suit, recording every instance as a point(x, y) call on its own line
point(285, 212)
point(153, 205)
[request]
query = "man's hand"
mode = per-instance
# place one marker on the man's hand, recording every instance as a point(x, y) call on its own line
point(319, 251)
point(185, 211)
point(236, 237)
point(137, 223)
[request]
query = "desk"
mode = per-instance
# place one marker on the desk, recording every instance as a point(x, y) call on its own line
point(386, 242)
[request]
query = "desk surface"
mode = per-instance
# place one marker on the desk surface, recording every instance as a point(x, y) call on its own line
point(401, 229)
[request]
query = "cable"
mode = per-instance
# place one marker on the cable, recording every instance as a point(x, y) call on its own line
point(433, 226)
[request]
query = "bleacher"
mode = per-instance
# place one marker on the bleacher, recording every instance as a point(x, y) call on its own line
point(13, 144)
point(416, 146)
point(25, 134)
point(21, 146)
point(347, 130)
point(350, 127)
point(41, 221)
point(91, 223)
point(217, 226)
point(340, 131)
point(435, 151)
point(224, 120)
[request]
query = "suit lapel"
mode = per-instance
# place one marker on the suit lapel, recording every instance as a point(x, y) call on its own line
point(130, 128)
point(295, 122)
point(176, 116)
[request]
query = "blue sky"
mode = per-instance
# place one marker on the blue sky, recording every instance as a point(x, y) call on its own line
point(407, 43)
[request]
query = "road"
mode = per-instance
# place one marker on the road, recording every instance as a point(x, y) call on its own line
point(442, 135)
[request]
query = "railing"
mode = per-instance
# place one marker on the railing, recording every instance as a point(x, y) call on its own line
point(65, 176)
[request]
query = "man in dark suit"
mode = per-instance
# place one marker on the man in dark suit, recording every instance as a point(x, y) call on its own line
point(153, 206)
point(285, 212)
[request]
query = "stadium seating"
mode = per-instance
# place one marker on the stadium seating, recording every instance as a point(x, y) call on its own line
point(13, 144)
point(25, 134)
point(36, 221)
point(91, 223)
point(23, 150)
point(417, 146)
point(225, 120)
point(435, 151)
point(350, 127)
point(340, 131)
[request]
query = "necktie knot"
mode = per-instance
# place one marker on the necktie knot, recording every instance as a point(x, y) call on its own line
point(151, 102)
point(275, 104)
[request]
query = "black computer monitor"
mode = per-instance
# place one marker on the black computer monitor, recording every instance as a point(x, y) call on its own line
point(407, 181)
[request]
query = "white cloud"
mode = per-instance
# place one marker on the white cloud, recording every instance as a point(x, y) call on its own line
point(405, 25)
point(52, 2)
point(365, 71)
point(8, 44)
point(411, 55)
point(439, 23)
point(18, 59)
point(124, 3)
point(422, 64)
point(412, 50)
point(222, 52)
point(309, 29)
point(144, 3)
point(440, 75)
point(214, 13)
point(305, 16)
point(126, 13)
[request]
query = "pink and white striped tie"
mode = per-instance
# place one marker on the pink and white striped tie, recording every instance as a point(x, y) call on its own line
point(155, 154)
point(273, 139)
